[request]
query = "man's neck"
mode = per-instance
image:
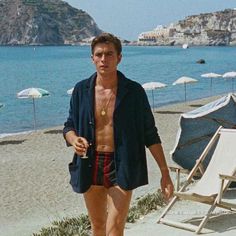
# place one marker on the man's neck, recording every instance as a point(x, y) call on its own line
point(107, 81)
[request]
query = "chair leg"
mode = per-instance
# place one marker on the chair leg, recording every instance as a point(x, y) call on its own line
point(206, 217)
point(177, 179)
point(175, 198)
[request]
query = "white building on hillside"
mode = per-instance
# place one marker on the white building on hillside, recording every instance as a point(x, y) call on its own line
point(153, 35)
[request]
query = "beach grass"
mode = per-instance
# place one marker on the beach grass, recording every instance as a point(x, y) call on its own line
point(77, 226)
point(144, 205)
point(80, 226)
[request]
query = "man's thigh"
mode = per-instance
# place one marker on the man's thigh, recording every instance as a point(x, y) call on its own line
point(96, 203)
point(118, 207)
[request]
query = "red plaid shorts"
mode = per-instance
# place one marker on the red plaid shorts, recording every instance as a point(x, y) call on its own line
point(104, 173)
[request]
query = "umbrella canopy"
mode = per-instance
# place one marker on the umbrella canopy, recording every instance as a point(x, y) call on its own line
point(185, 80)
point(198, 126)
point(152, 86)
point(33, 93)
point(211, 76)
point(230, 75)
point(70, 91)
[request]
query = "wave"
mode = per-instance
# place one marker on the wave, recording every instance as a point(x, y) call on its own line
point(14, 134)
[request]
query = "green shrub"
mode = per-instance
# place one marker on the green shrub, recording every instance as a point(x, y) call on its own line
point(79, 226)
point(145, 205)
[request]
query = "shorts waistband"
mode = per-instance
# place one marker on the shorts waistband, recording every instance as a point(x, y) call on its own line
point(104, 153)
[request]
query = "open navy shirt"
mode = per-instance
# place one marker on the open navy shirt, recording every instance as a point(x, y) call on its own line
point(134, 128)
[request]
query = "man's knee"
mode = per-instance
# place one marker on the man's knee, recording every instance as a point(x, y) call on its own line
point(98, 225)
point(98, 228)
point(115, 230)
point(115, 227)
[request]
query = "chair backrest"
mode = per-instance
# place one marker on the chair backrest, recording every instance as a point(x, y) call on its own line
point(223, 161)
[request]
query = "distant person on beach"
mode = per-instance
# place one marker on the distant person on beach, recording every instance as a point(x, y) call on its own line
point(110, 122)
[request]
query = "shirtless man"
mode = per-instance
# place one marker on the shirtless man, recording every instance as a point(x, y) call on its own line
point(110, 123)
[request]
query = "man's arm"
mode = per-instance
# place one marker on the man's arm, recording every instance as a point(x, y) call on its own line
point(166, 183)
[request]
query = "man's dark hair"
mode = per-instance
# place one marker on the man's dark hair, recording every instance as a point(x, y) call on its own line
point(107, 38)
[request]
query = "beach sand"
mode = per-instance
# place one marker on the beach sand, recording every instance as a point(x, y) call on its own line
point(34, 178)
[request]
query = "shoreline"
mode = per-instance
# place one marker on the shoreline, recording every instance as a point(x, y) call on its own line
point(167, 104)
point(35, 178)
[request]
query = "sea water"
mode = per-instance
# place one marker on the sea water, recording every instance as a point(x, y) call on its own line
point(57, 69)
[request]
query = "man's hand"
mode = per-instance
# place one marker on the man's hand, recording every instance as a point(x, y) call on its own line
point(167, 186)
point(166, 183)
point(80, 145)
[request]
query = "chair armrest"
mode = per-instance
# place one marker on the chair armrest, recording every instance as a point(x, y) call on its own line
point(228, 177)
point(178, 169)
point(181, 170)
point(223, 178)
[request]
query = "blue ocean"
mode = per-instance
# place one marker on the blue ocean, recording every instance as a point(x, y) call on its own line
point(57, 69)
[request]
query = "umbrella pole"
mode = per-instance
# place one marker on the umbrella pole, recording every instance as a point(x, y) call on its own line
point(185, 96)
point(211, 86)
point(34, 114)
point(152, 100)
point(232, 85)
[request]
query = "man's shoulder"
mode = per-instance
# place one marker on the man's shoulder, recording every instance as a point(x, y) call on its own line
point(135, 87)
point(130, 82)
point(81, 83)
point(84, 83)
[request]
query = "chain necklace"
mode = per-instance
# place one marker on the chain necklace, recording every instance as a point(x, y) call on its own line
point(105, 107)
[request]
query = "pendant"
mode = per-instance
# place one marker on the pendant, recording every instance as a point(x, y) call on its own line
point(103, 112)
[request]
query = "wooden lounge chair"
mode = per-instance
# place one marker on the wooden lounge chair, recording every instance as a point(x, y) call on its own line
point(215, 181)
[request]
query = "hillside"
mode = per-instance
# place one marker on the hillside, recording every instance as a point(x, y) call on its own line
point(217, 28)
point(44, 22)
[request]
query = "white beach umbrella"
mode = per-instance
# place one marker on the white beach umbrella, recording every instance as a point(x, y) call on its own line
point(33, 93)
point(153, 86)
point(211, 76)
point(70, 91)
point(185, 80)
point(230, 75)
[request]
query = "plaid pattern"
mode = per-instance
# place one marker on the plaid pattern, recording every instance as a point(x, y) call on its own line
point(104, 173)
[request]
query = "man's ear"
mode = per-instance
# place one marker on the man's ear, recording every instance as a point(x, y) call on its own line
point(92, 58)
point(119, 58)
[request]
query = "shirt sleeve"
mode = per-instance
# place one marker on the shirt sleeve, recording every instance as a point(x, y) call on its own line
point(151, 135)
point(69, 124)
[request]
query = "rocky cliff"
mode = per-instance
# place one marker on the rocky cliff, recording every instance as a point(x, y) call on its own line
point(218, 28)
point(43, 22)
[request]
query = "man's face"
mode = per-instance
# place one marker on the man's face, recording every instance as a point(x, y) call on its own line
point(105, 58)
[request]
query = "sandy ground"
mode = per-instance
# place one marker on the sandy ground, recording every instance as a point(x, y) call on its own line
point(34, 179)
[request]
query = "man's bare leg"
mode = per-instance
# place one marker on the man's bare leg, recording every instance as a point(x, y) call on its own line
point(107, 209)
point(118, 207)
point(96, 203)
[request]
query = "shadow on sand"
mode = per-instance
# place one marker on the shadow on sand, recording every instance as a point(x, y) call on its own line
point(55, 131)
point(7, 142)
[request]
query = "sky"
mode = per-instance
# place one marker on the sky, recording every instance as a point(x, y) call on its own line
point(128, 18)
